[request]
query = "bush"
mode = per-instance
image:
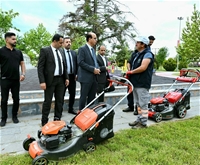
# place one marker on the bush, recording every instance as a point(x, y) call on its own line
point(155, 65)
point(169, 65)
point(182, 64)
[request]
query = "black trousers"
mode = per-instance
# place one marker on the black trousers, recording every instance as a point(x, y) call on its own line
point(57, 88)
point(88, 92)
point(6, 86)
point(72, 91)
point(130, 100)
point(101, 87)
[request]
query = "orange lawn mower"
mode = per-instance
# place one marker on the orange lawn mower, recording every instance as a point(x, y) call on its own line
point(58, 140)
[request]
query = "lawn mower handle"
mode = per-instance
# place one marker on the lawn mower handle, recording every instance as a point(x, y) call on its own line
point(129, 85)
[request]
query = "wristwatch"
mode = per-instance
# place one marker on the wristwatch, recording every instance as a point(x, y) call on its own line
point(23, 75)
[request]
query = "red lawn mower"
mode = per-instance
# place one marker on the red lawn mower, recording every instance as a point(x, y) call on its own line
point(175, 102)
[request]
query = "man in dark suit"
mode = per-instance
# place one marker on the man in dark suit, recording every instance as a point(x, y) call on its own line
point(53, 77)
point(103, 76)
point(87, 70)
point(71, 60)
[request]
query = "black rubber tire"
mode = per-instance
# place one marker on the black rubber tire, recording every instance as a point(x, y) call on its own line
point(27, 142)
point(89, 147)
point(157, 117)
point(181, 111)
point(40, 160)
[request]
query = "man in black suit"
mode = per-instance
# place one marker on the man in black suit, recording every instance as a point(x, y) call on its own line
point(87, 70)
point(53, 77)
point(71, 60)
point(103, 66)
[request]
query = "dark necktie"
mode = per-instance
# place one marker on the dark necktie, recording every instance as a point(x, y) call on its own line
point(94, 58)
point(70, 61)
point(59, 63)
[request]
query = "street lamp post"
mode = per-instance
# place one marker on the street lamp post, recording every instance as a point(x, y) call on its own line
point(179, 38)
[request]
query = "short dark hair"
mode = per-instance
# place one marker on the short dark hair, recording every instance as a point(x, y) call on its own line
point(9, 34)
point(56, 37)
point(101, 46)
point(88, 36)
point(151, 38)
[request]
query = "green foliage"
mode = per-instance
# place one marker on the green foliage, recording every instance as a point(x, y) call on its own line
point(169, 65)
point(100, 16)
point(6, 18)
point(122, 53)
point(77, 42)
point(33, 41)
point(161, 55)
point(182, 64)
point(155, 66)
point(190, 46)
point(161, 144)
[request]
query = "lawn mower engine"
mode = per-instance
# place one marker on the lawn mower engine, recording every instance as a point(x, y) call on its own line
point(174, 103)
point(54, 133)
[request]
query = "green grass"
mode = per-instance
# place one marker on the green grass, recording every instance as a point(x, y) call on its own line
point(167, 143)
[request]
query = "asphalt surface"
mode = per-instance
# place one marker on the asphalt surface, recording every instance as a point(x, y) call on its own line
point(32, 83)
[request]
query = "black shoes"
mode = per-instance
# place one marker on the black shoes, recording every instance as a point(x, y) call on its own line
point(128, 109)
point(135, 112)
point(56, 119)
point(3, 122)
point(72, 112)
point(15, 120)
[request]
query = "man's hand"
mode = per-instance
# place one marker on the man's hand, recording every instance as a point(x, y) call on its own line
point(129, 72)
point(22, 77)
point(66, 82)
point(43, 86)
point(96, 71)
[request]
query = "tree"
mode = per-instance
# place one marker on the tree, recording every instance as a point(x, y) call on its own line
point(189, 48)
point(33, 41)
point(103, 17)
point(77, 42)
point(6, 18)
point(123, 53)
point(161, 55)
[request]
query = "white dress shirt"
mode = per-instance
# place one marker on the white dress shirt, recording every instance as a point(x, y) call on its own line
point(68, 57)
point(104, 60)
point(56, 72)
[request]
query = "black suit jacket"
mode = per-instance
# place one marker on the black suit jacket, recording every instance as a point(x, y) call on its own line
point(104, 73)
point(85, 65)
point(74, 60)
point(47, 65)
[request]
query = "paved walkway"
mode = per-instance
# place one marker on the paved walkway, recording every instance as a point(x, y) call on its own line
point(167, 74)
point(12, 135)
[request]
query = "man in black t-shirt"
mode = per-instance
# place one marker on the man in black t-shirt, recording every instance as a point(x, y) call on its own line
point(10, 60)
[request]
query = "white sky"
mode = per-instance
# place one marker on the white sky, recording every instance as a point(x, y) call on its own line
point(152, 17)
